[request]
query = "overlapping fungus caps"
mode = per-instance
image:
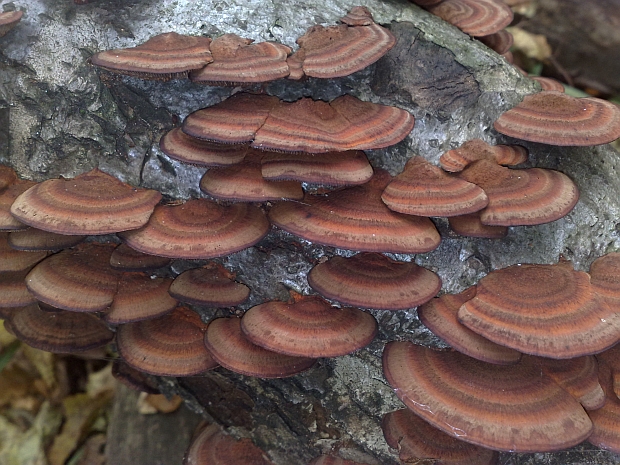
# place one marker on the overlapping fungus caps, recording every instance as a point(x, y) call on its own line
point(79, 279)
point(346, 123)
point(124, 258)
point(231, 349)
point(179, 146)
point(471, 226)
point(310, 328)
point(426, 190)
point(510, 408)
point(211, 446)
point(165, 56)
point(33, 239)
point(7, 176)
point(7, 221)
point(554, 118)
point(8, 20)
point(416, 439)
point(500, 42)
point(458, 159)
point(238, 61)
point(474, 17)
point(373, 280)
point(612, 358)
point(199, 229)
point(244, 182)
point(171, 345)
point(16, 260)
point(440, 316)
point(546, 310)
point(331, 168)
point(91, 203)
point(606, 419)
point(521, 197)
point(355, 218)
point(549, 83)
point(13, 290)
point(132, 378)
point(62, 332)
point(605, 278)
point(212, 286)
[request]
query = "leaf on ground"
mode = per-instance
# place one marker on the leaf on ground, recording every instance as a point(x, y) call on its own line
point(44, 362)
point(101, 381)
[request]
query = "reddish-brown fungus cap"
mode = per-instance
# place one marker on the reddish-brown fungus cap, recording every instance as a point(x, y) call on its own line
point(210, 286)
point(125, 258)
point(555, 118)
point(199, 229)
point(211, 446)
point(372, 280)
point(16, 260)
point(62, 332)
point(345, 123)
point(358, 16)
point(331, 460)
point(440, 316)
point(510, 408)
point(500, 42)
point(471, 226)
point(8, 20)
point(578, 376)
point(233, 121)
point(612, 358)
point(187, 149)
point(79, 279)
point(231, 349)
point(546, 310)
point(456, 160)
point(549, 83)
point(171, 345)
point(238, 61)
point(91, 203)
point(426, 190)
point(355, 218)
point(244, 182)
point(165, 56)
point(13, 290)
point(33, 239)
point(7, 221)
point(606, 433)
point(474, 17)
point(522, 197)
point(7, 177)
point(132, 378)
point(416, 439)
point(331, 168)
point(140, 297)
point(605, 278)
point(426, 2)
point(310, 328)
point(335, 51)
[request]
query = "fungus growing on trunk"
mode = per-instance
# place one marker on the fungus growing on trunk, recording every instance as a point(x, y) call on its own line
point(477, 18)
point(210, 286)
point(179, 146)
point(124, 258)
point(458, 159)
point(7, 221)
point(33, 239)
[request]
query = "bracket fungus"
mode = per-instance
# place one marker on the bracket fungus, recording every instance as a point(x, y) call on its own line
point(8, 20)
point(13, 290)
point(605, 278)
point(124, 258)
point(91, 203)
point(605, 433)
point(7, 221)
point(355, 218)
point(500, 41)
point(211, 286)
point(372, 280)
point(8, 176)
point(179, 146)
point(163, 57)
point(199, 229)
point(17, 260)
point(458, 159)
point(471, 226)
point(554, 118)
point(507, 408)
point(310, 328)
point(474, 17)
point(33, 239)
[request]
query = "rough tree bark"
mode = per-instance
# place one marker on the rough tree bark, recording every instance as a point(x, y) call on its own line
point(65, 117)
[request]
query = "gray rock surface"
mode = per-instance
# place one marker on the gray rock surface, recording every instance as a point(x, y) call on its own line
point(61, 116)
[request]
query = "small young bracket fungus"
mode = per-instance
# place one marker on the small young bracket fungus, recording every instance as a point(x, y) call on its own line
point(416, 439)
point(347, 168)
point(59, 332)
point(139, 297)
point(91, 203)
point(171, 345)
point(163, 57)
point(179, 146)
point(33, 240)
point(8, 176)
point(124, 258)
point(80, 279)
point(8, 20)
point(521, 197)
point(474, 17)
point(507, 408)
point(500, 42)
point(372, 280)
point(310, 328)
point(211, 446)
point(13, 290)
point(355, 218)
point(336, 51)
point(199, 229)
point(440, 316)
point(555, 118)
point(12, 260)
point(244, 182)
point(232, 350)
point(546, 310)
point(237, 61)
point(423, 189)
point(606, 433)
point(456, 160)
point(471, 226)
point(210, 286)
point(7, 221)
